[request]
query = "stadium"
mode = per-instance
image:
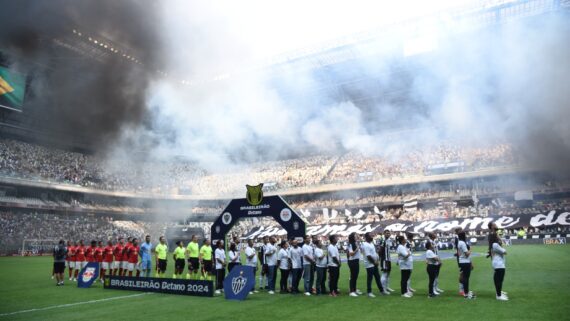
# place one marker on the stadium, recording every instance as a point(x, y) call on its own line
point(309, 160)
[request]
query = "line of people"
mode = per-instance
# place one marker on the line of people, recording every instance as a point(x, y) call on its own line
point(310, 261)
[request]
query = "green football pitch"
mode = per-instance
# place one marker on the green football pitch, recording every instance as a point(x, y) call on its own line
point(537, 280)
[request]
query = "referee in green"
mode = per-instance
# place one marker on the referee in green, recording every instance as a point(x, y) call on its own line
point(161, 251)
point(193, 250)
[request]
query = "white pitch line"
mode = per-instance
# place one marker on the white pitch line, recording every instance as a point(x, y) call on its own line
point(74, 304)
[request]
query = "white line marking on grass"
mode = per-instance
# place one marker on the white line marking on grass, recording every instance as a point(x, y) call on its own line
point(74, 304)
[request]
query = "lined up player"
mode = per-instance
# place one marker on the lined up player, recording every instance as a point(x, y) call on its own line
point(161, 251)
point(146, 257)
point(70, 259)
point(133, 257)
point(125, 261)
point(385, 260)
point(80, 260)
point(107, 264)
point(99, 258)
point(118, 254)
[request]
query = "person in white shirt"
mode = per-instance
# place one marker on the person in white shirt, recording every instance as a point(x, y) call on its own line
point(465, 265)
point(432, 238)
point(321, 265)
point(406, 263)
point(284, 263)
point(410, 245)
point(296, 254)
point(371, 262)
point(220, 257)
point(353, 258)
point(251, 260)
point(334, 265)
point(498, 262)
point(433, 262)
point(271, 261)
point(234, 257)
point(308, 260)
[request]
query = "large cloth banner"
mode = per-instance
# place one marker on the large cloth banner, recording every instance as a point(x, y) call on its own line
point(172, 286)
point(88, 275)
point(239, 282)
point(476, 223)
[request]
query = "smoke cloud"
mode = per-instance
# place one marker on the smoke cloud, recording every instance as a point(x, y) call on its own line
point(88, 100)
point(503, 83)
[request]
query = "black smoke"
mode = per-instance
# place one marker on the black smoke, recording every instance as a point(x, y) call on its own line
point(83, 98)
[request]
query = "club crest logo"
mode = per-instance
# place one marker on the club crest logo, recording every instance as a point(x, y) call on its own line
point(88, 274)
point(254, 194)
point(285, 214)
point(238, 283)
point(226, 218)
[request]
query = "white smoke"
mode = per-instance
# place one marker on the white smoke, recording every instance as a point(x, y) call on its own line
point(504, 83)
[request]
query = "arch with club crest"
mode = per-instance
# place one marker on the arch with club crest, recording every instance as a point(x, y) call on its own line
point(269, 206)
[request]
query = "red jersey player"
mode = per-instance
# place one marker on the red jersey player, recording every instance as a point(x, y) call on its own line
point(70, 259)
point(90, 252)
point(80, 261)
point(107, 259)
point(125, 263)
point(133, 258)
point(118, 253)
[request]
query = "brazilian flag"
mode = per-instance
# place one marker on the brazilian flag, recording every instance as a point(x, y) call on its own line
point(12, 89)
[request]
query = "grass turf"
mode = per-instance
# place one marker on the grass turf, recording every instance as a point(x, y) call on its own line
point(537, 281)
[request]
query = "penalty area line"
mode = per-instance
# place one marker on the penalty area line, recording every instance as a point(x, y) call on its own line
point(74, 304)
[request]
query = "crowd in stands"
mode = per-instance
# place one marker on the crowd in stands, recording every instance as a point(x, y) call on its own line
point(179, 176)
point(17, 227)
point(353, 167)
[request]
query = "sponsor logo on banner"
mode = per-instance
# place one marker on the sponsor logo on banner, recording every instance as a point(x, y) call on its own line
point(172, 286)
point(555, 241)
point(238, 283)
point(88, 274)
point(226, 218)
point(254, 194)
point(285, 215)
